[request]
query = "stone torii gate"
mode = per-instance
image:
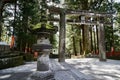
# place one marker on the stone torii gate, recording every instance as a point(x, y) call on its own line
point(100, 19)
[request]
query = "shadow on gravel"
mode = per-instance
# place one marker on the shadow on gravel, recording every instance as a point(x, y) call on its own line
point(14, 76)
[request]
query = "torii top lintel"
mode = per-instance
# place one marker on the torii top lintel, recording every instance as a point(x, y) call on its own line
point(57, 10)
point(100, 16)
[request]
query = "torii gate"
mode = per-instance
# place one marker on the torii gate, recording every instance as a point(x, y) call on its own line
point(99, 16)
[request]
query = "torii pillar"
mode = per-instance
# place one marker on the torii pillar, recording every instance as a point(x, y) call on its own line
point(62, 33)
point(101, 38)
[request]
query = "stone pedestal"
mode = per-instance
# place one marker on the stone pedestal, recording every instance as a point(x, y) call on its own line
point(42, 75)
point(43, 62)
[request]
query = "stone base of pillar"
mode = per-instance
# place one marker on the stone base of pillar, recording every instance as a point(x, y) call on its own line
point(42, 75)
point(103, 59)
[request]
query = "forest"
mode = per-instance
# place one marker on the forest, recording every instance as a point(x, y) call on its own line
point(59, 39)
point(19, 17)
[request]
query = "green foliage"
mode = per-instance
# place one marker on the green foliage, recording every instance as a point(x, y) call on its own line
point(8, 55)
point(38, 25)
point(109, 37)
point(29, 11)
point(48, 26)
point(116, 5)
point(117, 28)
point(28, 57)
point(70, 34)
point(25, 38)
point(53, 41)
point(117, 42)
point(28, 15)
point(73, 4)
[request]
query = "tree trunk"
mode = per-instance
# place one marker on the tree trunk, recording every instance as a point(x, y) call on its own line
point(112, 31)
point(25, 18)
point(0, 24)
point(24, 22)
point(62, 37)
point(21, 48)
point(86, 46)
point(74, 46)
point(112, 41)
point(97, 39)
point(94, 41)
point(80, 43)
point(1, 10)
point(101, 36)
point(15, 5)
point(91, 37)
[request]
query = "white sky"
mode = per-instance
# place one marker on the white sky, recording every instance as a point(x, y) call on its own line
point(117, 0)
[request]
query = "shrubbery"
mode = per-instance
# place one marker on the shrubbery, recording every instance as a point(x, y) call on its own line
point(10, 59)
point(114, 57)
point(28, 57)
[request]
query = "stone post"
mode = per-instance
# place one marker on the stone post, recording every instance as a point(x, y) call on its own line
point(101, 38)
point(62, 37)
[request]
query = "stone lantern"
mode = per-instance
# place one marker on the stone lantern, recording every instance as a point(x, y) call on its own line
point(43, 47)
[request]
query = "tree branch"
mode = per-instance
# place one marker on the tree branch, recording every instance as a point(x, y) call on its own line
point(96, 4)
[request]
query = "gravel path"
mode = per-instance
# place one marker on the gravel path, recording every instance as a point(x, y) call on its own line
point(72, 69)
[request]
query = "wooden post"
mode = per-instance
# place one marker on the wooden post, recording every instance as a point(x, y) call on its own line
point(101, 37)
point(62, 33)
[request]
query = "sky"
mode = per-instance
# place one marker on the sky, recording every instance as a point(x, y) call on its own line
point(117, 0)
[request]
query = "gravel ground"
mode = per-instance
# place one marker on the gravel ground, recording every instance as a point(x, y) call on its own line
point(72, 69)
